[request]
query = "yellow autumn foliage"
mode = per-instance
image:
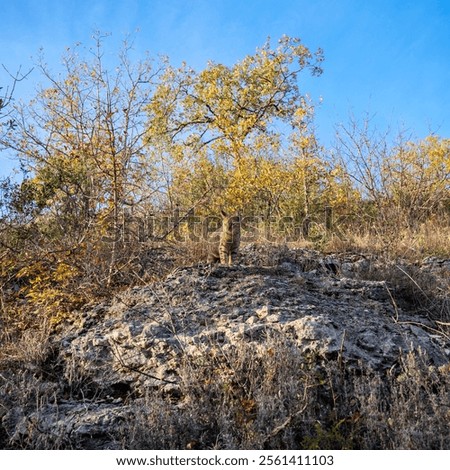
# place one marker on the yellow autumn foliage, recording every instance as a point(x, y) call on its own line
point(103, 148)
point(418, 177)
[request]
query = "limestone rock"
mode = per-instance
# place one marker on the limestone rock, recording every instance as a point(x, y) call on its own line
point(139, 339)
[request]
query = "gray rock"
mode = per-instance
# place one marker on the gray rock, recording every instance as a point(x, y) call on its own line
point(141, 338)
point(325, 315)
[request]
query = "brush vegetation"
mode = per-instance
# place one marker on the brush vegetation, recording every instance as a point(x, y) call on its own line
point(124, 162)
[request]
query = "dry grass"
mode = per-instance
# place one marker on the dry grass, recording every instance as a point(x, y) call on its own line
point(263, 394)
point(272, 398)
point(431, 238)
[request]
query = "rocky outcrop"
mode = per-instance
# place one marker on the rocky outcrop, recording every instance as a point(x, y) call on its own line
point(325, 305)
point(141, 334)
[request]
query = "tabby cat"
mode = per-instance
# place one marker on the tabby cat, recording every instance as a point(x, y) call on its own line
point(224, 243)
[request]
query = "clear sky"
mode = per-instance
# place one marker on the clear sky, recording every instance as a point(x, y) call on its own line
point(390, 58)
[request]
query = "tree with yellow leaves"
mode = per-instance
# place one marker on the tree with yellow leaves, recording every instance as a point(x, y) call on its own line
point(81, 146)
point(219, 126)
point(400, 185)
point(417, 178)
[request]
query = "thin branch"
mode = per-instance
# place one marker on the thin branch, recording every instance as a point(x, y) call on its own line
point(118, 356)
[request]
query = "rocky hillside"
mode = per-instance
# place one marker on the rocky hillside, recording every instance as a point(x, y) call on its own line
point(206, 352)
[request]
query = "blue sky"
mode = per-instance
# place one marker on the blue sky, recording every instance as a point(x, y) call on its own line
point(389, 58)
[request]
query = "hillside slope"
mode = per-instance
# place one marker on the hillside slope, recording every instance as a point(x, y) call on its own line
point(274, 352)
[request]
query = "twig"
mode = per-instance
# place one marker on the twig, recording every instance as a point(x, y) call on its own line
point(341, 350)
point(421, 325)
point(135, 369)
point(394, 303)
point(278, 429)
point(415, 283)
